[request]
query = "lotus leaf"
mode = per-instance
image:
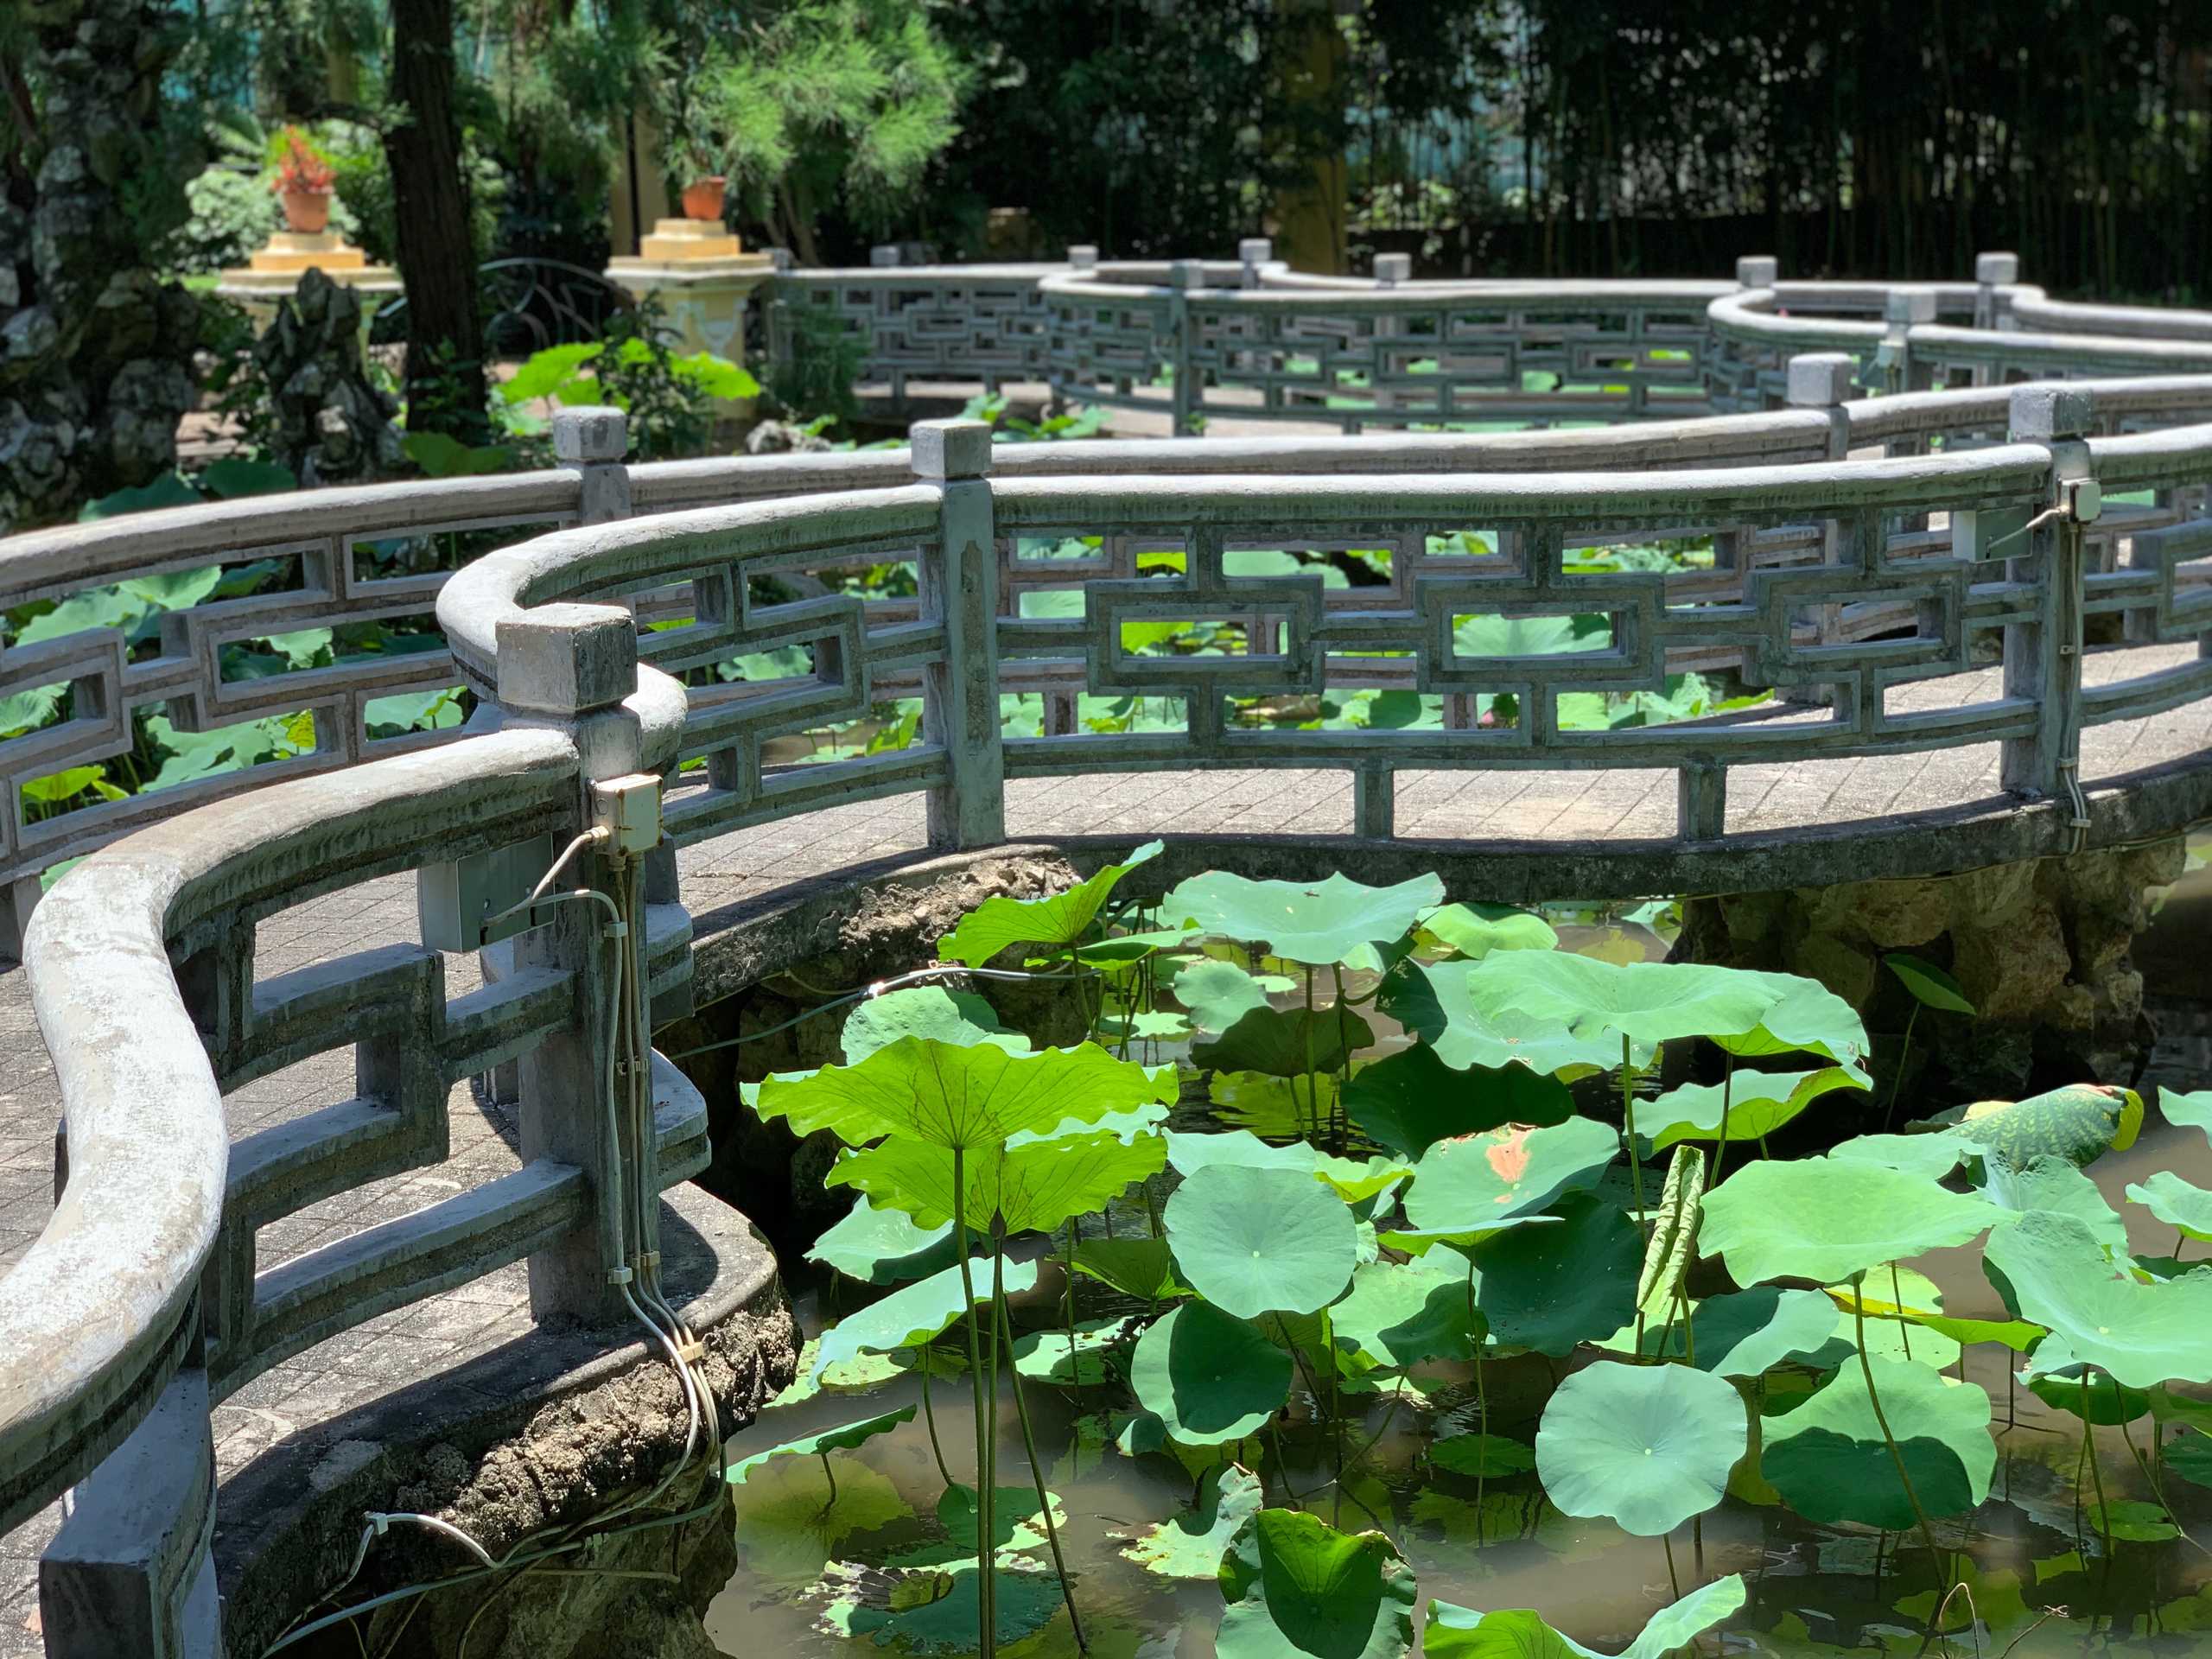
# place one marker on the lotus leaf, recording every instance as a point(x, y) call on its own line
point(1434, 1000)
point(1932, 1155)
point(911, 1316)
point(1216, 994)
point(2090, 1394)
point(1647, 1446)
point(1923, 1306)
point(1188, 1154)
point(1358, 1181)
point(1017, 1521)
point(1209, 1376)
point(1518, 1633)
point(1048, 1356)
point(1826, 1219)
point(1191, 1545)
point(1030, 1184)
point(1807, 1018)
point(2099, 1312)
point(1752, 1103)
point(1135, 1267)
point(1317, 922)
point(843, 1438)
point(1487, 1457)
point(2177, 1203)
point(1259, 1241)
point(1551, 1288)
point(2081, 1122)
point(1901, 1328)
point(960, 1098)
point(1474, 930)
point(2047, 1182)
point(1295, 1584)
point(1828, 1459)
point(882, 1247)
point(791, 1523)
point(2188, 1111)
point(1410, 1100)
point(1646, 1001)
point(1287, 1045)
point(2190, 1456)
point(2130, 1520)
point(1748, 1332)
point(1061, 919)
point(1929, 985)
point(1418, 1244)
point(1400, 1313)
point(961, 1017)
point(939, 1611)
point(1478, 1179)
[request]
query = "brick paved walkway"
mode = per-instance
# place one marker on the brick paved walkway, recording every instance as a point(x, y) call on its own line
point(1568, 807)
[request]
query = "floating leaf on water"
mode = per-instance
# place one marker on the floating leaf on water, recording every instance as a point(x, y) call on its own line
point(911, 1316)
point(2099, 1312)
point(1190, 1545)
point(1296, 1585)
point(1455, 1632)
point(1474, 930)
point(1000, 922)
point(1410, 1100)
point(2190, 1456)
point(1826, 1220)
point(1929, 985)
point(1434, 1000)
point(1753, 1103)
point(1216, 994)
point(882, 1247)
point(2080, 1123)
point(1025, 1600)
point(1646, 1446)
point(1017, 1523)
point(2174, 1201)
point(843, 1438)
point(2130, 1521)
point(1259, 1241)
point(1551, 1288)
point(961, 1017)
point(1828, 1459)
point(1209, 1376)
point(1488, 1456)
point(789, 1523)
point(1317, 922)
point(1477, 1180)
point(1400, 1313)
point(1044, 1355)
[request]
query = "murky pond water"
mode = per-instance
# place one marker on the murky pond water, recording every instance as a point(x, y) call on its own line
point(828, 1549)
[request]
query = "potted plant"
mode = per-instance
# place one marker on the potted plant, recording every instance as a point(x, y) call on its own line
point(693, 144)
point(304, 183)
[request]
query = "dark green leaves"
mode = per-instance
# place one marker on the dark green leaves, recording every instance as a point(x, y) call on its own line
point(1409, 1100)
point(1259, 1241)
point(1463, 1633)
point(1929, 985)
point(1549, 1288)
point(1208, 1376)
point(1828, 1459)
point(1295, 1584)
point(1060, 920)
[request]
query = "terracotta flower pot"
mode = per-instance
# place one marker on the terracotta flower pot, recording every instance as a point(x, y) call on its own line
point(703, 198)
point(307, 211)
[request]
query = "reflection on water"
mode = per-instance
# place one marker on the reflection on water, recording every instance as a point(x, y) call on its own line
point(823, 1573)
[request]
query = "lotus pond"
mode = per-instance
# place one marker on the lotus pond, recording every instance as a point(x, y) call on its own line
point(1386, 1275)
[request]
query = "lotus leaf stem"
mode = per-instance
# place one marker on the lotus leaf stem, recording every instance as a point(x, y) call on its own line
point(1674, 1581)
point(1029, 1450)
point(1628, 1131)
point(2158, 1488)
point(986, 1588)
point(1897, 1079)
point(1881, 1421)
point(2096, 1474)
point(928, 1421)
point(1727, 1091)
point(830, 1475)
point(1904, 1326)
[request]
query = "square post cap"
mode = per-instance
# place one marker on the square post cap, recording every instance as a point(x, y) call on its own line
point(2049, 414)
point(1084, 256)
point(884, 253)
point(1820, 379)
point(1912, 304)
point(567, 659)
point(1255, 249)
point(1187, 273)
point(1994, 270)
point(950, 449)
point(589, 433)
point(780, 258)
point(1391, 268)
point(1757, 270)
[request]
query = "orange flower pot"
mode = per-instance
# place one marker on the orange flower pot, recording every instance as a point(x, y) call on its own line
point(306, 211)
point(703, 198)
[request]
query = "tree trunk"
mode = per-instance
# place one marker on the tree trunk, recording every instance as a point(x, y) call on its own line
point(446, 389)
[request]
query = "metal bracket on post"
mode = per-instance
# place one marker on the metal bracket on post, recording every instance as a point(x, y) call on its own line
point(1184, 277)
point(591, 442)
point(2043, 657)
point(959, 591)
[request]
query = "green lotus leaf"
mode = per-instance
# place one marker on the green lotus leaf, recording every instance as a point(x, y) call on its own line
point(1357, 1180)
point(1932, 1155)
point(1929, 985)
point(1260, 1241)
point(1436, 1002)
point(1317, 922)
point(2097, 1310)
point(1135, 1267)
point(1518, 1633)
point(1017, 1523)
point(2190, 1456)
point(2080, 1122)
point(1027, 1185)
point(2188, 1111)
point(965, 1098)
point(791, 1522)
point(1190, 1545)
point(1217, 993)
point(2130, 1521)
point(1661, 1002)
point(1209, 1376)
point(843, 1438)
point(1478, 1179)
point(1463, 1239)
point(1923, 1306)
point(1673, 1244)
point(2047, 1182)
point(1828, 1460)
point(1757, 1103)
point(1295, 1584)
point(2088, 1393)
point(1048, 1356)
point(1060, 920)
point(1144, 1026)
point(1826, 1220)
point(1399, 1313)
point(933, 1610)
point(960, 1018)
point(1551, 1288)
point(2174, 1201)
point(1646, 1446)
point(909, 1317)
point(1276, 1044)
point(1900, 1312)
point(1487, 1457)
point(882, 1247)
point(1748, 1332)
point(1807, 1018)
point(1474, 930)
point(1410, 1100)
point(1188, 1154)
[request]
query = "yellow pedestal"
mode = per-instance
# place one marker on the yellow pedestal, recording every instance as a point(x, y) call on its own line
point(703, 279)
point(274, 273)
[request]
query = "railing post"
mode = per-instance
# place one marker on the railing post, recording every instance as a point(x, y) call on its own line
point(1083, 256)
point(1183, 276)
point(1700, 798)
point(1994, 273)
point(592, 443)
point(2043, 657)
point(1824, 381)
point(1374, 801)
point(1904, 308)
point(1757, 270)
point(1253, 252)
point(570, 667)
point(960, 592)
point(1392, 269)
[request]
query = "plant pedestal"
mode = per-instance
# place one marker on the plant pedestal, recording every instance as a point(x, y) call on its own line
point(274, 273)
point(703, 279)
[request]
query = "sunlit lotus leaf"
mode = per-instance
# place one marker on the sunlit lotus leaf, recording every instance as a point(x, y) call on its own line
point(1748, 1332)
point(1487, 1457)
point(913, 1315)
point(966, 1098)
point(2188, 1111)
point(843, 1438)
point(2177, 1203)
point(1060, 919)
point(1045, 1355)
point(1922, 1307)
point(1190, 1545)
point(1807, 1018)
point(1551, 1288)
point(2096, 1308)
point(2190, 1456)
point(1826, 1220)
point(1474, 930)
point(2083, 1392)
point(790, 1522)
point(1209, 1376)
point(1259, 1241)
point(1295, 1584)
point(2130, 1521)
point(1518, 1633)
point(1277, 1044)
point(1932, 1155)
point(1828, 1459)
point(1355, 1180)
point(1188, 1154)
point(1151, 1025)
point(1216, 994)
point(2079, 1122)
point(1755, 1104)
point(1135, 1267)
point(883, 1247)
point(1646, 1446)
point(1312, 922)
point(1662, 1002)
point(1929, 985)
point(940, 1618)
point(1434, 1002)
point(2048, 1182)
point(1402, 1313)
point(1410, 1100)
point(1463, 1239)
point(1027, 1185)
point(1477, 1179)
point(960, 1018)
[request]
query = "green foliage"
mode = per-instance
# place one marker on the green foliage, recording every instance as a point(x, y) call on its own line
point(1462, 1633)
point(1190, 1545)
point(1827, 1219)
point(2099, 1312)
point(634, 367)
point(1830, 1459)
point(843, 1438)
point(1295, 1584)
point(1209, 1376)
point(1059, 921)
point(1410, 1099)
point(1648, 1446)
point(1319, 923)
point(1475, 1180)
point(2082, 1121)
point(1260, 1241)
